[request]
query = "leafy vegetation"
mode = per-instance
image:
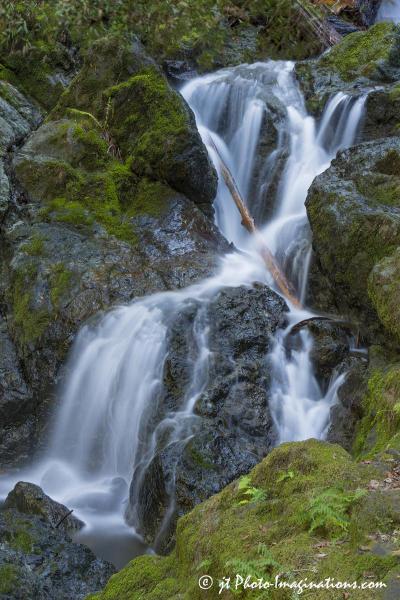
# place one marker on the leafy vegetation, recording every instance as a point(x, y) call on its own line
point(328, 511)
point(171, 28)
point(251, 493)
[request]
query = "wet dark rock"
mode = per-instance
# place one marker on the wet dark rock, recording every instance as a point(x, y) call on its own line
point(179, 70)
point(382, 113)
point(354, 214)
point(347, 412)
point(30, 499)
point(271, 156)
point(367, 11)
point(341, 26)
point(331, 341)
point(232, 427)
point(360, 61)
point(16, 403)
point(41, 562)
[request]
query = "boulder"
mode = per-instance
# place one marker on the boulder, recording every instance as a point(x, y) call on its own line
point(145, 120)
point(384, 292)
point(231, 429)
point(361, 60)
point(306, 505)
point(41, 562)
point(30, 499)
point(17, 404)
point(354, 213)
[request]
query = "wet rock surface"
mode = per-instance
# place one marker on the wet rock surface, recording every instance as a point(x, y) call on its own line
point(355, 219)
point(363, 60)
point(30, 499)
point(232, 428)
point(40, 561)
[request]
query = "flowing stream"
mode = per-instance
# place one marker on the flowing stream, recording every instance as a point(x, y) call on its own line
point(389, 10)
point(106, 428)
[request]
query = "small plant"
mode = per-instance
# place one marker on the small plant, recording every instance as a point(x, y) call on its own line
point(204, 566)
point(328, 511)
point(285, 475)
point(252, 493)
point(258, 568)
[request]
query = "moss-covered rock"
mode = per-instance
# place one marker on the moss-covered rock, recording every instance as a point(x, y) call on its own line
point(354, 213)
point(384, 290)
point(144, 120)
point(365, 54)
point(28, 498)
point(360, 60)
point(40, 561)
point(379, 428)
point(305, 508)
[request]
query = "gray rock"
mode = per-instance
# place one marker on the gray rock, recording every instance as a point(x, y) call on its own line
point(38, 561)
point(30, 499)
point(354, 214)
point(232, 428)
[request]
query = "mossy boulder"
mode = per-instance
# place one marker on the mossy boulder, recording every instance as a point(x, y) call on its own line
point(382, 110)
point(42, 70)
point(306, 507)
point(384, 292)
point(371, 54)
point(354, 213)
point(30, 499)
point(360, 60)
point(146, 122)
point(379, 429)
point(40, 561)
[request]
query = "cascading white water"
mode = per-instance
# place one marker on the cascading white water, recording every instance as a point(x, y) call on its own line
point(106, 429)
point(299, 408)
point(389, 10)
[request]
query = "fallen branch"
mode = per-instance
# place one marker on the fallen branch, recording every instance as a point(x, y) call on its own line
point(63, 518)
point(248, 223)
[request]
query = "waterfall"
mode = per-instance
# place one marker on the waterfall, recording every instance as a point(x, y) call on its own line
point(108, 424)
point(389, 10)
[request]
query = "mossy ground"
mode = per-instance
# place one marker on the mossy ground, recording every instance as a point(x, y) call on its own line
point(359, 54)
point(379, 427)
point(273, 534)
point(8, 578)
point(210, 32)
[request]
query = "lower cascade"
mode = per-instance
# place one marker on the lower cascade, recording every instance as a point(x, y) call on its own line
point(112, 418)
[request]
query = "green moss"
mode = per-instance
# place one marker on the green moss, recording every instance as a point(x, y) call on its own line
point(68, 211)
point(148, 120)
point(35, 246)
point(150, 199)
point(274, 536)
point(60, 281)
point(360, 53)
point(381, 408)
point(46, 179)
point(379, 188)
point(383, 291)
point(29, 321)
point(8, 578)
point(21, 540)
